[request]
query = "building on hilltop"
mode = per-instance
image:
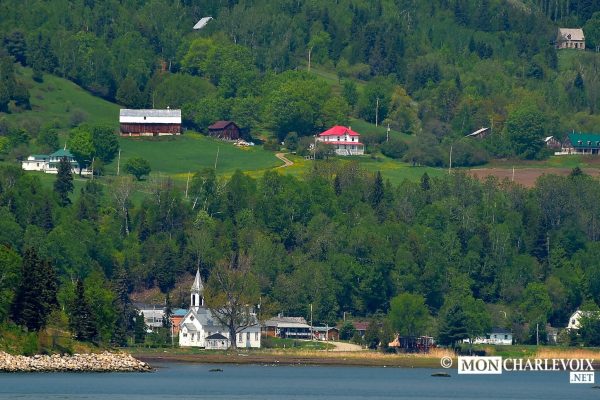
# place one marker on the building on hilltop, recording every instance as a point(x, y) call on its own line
point(344, 140)
point(150, 122)
point(580, 143)
point(575, 320)
point(225, 130)
point(199, 327)
point(570, 39)
point(49, 164)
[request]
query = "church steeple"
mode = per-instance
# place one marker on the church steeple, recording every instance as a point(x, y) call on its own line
point(197, 298)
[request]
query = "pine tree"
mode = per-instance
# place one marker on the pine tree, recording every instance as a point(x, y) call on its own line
point(36, 295)
point(124, 324)
point(139, 329)
point(64, 181)
point(82, 319)
point(378, 191)
point(168, 312)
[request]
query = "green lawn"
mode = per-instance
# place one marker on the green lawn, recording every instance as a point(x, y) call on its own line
point(191, 152)
point(62, 100)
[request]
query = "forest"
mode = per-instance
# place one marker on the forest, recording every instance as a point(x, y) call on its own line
point(341, 240)
point(461, 254)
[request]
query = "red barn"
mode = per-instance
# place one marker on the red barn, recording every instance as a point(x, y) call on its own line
point(226, 130)
point(150, 122)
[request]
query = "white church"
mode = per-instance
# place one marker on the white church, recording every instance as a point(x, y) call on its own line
point(199, 328)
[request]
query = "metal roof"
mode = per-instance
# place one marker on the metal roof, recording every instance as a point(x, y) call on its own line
point(202, 23)
point(584, 140)
point(217, 336)
point(190, 327)
point(571, 34)
point(126, 112)
point(61, 153)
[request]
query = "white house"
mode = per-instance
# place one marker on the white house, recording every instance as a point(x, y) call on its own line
point(344, 140)
point(497, 336)
point(570, 39)
point(198, 327)
point(49, 164)
point(575, 320)
point(153, 314)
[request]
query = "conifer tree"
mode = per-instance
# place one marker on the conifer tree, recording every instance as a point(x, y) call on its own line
point(378, 191)
point(36, 294)
point(83, 324)
point(139, 329)
point(64, 181)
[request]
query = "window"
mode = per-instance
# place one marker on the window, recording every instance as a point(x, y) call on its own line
point(191, 317)
point(185, 335)
point(248, 336)
point(505, 336)
point(255, 335)
point(239, 337)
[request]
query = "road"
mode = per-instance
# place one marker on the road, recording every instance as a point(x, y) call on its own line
point(287, 163)
point(343, 346)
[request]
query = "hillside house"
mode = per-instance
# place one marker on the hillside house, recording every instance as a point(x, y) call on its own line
point(570, 39)
point(580, 143)
point(224, 130)
point(198, 326)
point(575, 320)
point(286, 327)
point(150, 122)
point(153, 314)
point(49, 164)
point(344, 140)
point(360, 327)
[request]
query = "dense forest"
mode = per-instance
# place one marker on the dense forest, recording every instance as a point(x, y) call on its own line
point(439, 69)
point(340, 239)
point(456, 251)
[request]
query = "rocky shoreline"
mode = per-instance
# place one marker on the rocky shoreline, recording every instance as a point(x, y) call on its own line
point(101, 362)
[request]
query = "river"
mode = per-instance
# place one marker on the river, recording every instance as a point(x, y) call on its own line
point(246, 382)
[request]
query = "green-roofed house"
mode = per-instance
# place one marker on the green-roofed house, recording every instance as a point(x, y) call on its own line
point(49, 164)
point(581, 143)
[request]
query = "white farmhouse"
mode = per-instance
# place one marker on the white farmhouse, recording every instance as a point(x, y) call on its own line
point(49, 164)
point(199, 328)
point(344, 140)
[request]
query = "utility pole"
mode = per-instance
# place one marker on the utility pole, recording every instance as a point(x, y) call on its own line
point(450, 162)
point(311, 322)
point(387, 139)
point(217, 158)
point(187, 185)
point(377, 112)
point(119, 163)
point(309, 52)
point(537, 334)
point(93, 158)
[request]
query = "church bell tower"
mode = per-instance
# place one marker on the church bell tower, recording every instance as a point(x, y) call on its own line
point(197, 293)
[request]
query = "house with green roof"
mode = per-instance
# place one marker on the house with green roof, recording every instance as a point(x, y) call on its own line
point(581, 143)
point(49, 164)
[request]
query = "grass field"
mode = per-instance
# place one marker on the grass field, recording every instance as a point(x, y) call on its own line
point(191, 152)
point(62, 100)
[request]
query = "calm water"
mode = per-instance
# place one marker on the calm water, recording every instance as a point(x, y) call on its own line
point(184, 381)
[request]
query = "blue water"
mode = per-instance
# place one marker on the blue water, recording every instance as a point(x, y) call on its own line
point(243, 382)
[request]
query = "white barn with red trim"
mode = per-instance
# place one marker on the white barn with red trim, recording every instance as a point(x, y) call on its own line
point(345, 141)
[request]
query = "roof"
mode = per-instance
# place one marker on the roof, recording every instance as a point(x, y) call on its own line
point(548, 138)
point(197, 286)
point(61, 153)
point(501, 330)
point(339, 130)
point(324, 328)
point(221, 124)
point(360, 326)
point(190, 327)
point(126, 112)
point(342, 142)
point(277, 321)
point(180, 312)
point(202, 23)
point(292, 325)
point(38, 156)
point(216, 336)
point(584, 140)
point(479, 131)
point(571, 33)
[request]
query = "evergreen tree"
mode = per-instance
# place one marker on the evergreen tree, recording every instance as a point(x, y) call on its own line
point(36, 295)
point(168, 312)
point(378, 191)
point(63, 185)
point(454, 326)
point(139, 329)
point(82, 322)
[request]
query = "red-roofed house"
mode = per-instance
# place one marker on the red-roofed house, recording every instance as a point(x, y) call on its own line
point(226, 130)
point(345, 141)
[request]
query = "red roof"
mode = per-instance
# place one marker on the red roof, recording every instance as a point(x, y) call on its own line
point(341, 142)
point(221, 124)
point(339, 130)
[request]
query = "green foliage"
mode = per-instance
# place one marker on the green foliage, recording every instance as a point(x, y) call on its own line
point(347, 331)
point(82, 320)
point(408, 314)
point(63, 185)
point(138, 167)
point(525, 129)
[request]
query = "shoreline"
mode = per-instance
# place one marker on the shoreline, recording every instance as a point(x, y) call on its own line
point(287, 359)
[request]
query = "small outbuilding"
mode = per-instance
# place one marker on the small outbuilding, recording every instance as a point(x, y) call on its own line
point(225, 130)
point(216, 341)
